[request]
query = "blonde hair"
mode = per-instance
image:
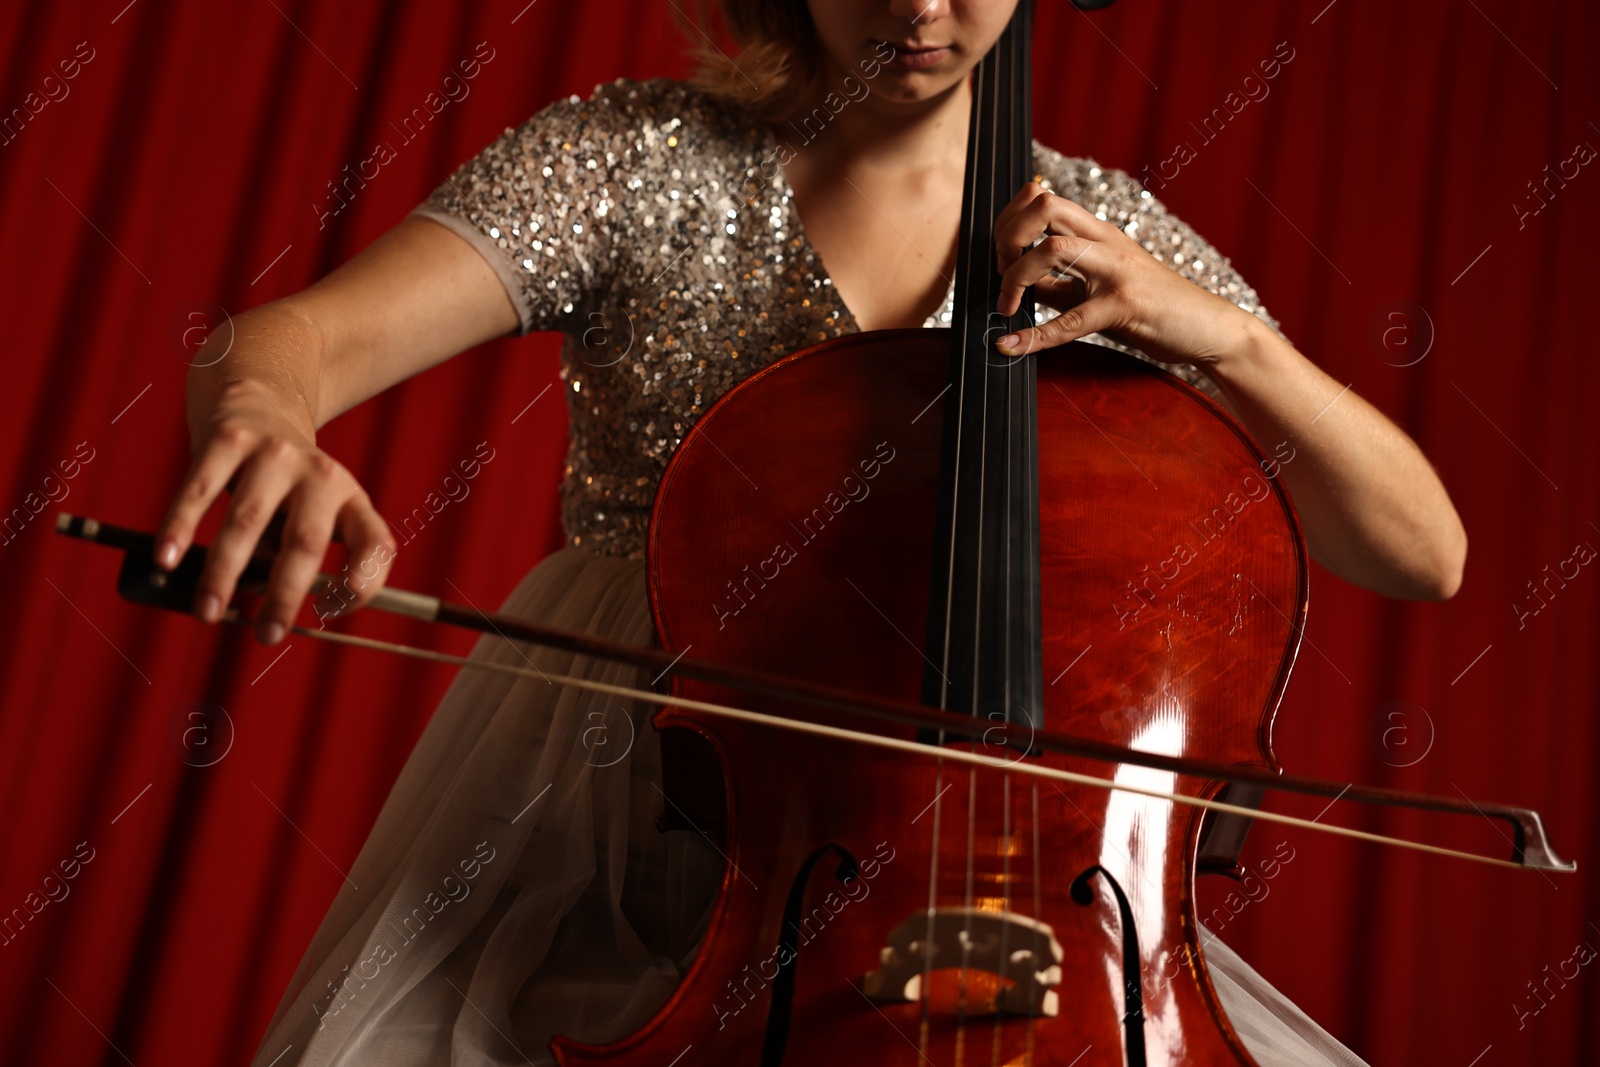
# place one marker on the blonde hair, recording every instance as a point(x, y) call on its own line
point(778, 58)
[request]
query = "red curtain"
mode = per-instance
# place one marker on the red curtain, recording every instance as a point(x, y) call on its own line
point(1411, 191)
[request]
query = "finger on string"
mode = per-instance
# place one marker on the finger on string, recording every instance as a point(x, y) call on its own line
point(1059, 252)
point(1091, 316)
point(1045, 213)
point(1045, 216)
point(1025, 197)
point(1069, 216)
point(1024, 220)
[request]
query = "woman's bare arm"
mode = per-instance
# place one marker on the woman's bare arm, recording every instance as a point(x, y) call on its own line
point(415, 297)
point(1374, 510)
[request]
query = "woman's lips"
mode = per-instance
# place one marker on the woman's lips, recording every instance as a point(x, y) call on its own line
point(919, 58)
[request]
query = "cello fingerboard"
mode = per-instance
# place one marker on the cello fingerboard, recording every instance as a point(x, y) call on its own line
point(983, 646)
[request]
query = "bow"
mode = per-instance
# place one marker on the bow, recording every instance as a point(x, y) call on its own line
point(143, 582)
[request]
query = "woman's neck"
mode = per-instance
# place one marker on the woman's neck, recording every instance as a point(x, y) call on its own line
point(873, 132)
point(877, 184)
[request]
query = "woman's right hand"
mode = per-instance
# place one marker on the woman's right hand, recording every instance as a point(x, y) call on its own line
point(412, 299)
point(261, 444)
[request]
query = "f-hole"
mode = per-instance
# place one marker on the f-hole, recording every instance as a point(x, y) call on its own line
point(778, 1015)
point(1133, 994)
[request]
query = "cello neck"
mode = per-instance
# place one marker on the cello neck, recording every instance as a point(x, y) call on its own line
point(983, 647)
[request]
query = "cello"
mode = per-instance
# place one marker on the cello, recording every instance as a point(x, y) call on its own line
point(910, 514)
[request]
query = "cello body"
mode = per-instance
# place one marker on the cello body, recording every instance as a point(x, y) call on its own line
point(899, 909)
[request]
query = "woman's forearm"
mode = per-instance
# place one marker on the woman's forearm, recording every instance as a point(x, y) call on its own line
point(1374, 510)
point(416, 296)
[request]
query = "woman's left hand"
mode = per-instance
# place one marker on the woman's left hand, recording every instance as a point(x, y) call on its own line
point(1373, 508)
point(1103, 281)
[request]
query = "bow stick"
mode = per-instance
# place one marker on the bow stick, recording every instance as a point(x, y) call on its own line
point(143, 582)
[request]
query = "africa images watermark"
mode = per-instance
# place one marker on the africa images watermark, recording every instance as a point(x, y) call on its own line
point(818, 119)
point(809, 127)
point(1541, 995)
point(747, 585)
point(1252, 89)
point(52, 490)
point(853, 891)
point(342, 590)
point(453, 889)
point(1552, 181)
point(1253, 888)
point(455, 89)
point(55, 887)
point(1144, 588)
point(1548, 587)
point(53, 89)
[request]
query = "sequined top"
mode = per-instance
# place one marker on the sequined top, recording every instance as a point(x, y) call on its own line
point(652, 225)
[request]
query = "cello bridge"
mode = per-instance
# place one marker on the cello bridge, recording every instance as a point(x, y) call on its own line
point(970, 961)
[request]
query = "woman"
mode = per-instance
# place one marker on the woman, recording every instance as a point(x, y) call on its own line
point(514, 886)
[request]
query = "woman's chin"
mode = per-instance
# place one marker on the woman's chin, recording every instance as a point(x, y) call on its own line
point(910, 89)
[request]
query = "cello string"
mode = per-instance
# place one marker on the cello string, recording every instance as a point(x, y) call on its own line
point(1005, 124)
point(1008, 133)
point(925, 1020)
point(1005, 909)
point(1033, 458)
point(1038, 909)
point(1022, 124)
point(1003, 131)
point(1021, 83)
point(990, 103)
point(891, 743)
point(966, 941)
point(966, 273)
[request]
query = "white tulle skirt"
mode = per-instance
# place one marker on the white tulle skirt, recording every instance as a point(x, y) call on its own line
point(515, 885)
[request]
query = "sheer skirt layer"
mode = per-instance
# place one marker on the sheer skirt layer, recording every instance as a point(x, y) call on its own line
point(515, 885)
point(1277, 1033)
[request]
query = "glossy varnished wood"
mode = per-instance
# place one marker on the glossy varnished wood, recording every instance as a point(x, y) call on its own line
point(828, 570)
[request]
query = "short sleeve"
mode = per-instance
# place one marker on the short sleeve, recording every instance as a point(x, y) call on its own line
point(536, 204)
point(1118, 198)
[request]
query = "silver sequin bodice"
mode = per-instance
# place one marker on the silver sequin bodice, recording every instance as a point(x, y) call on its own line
point(653, 227)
